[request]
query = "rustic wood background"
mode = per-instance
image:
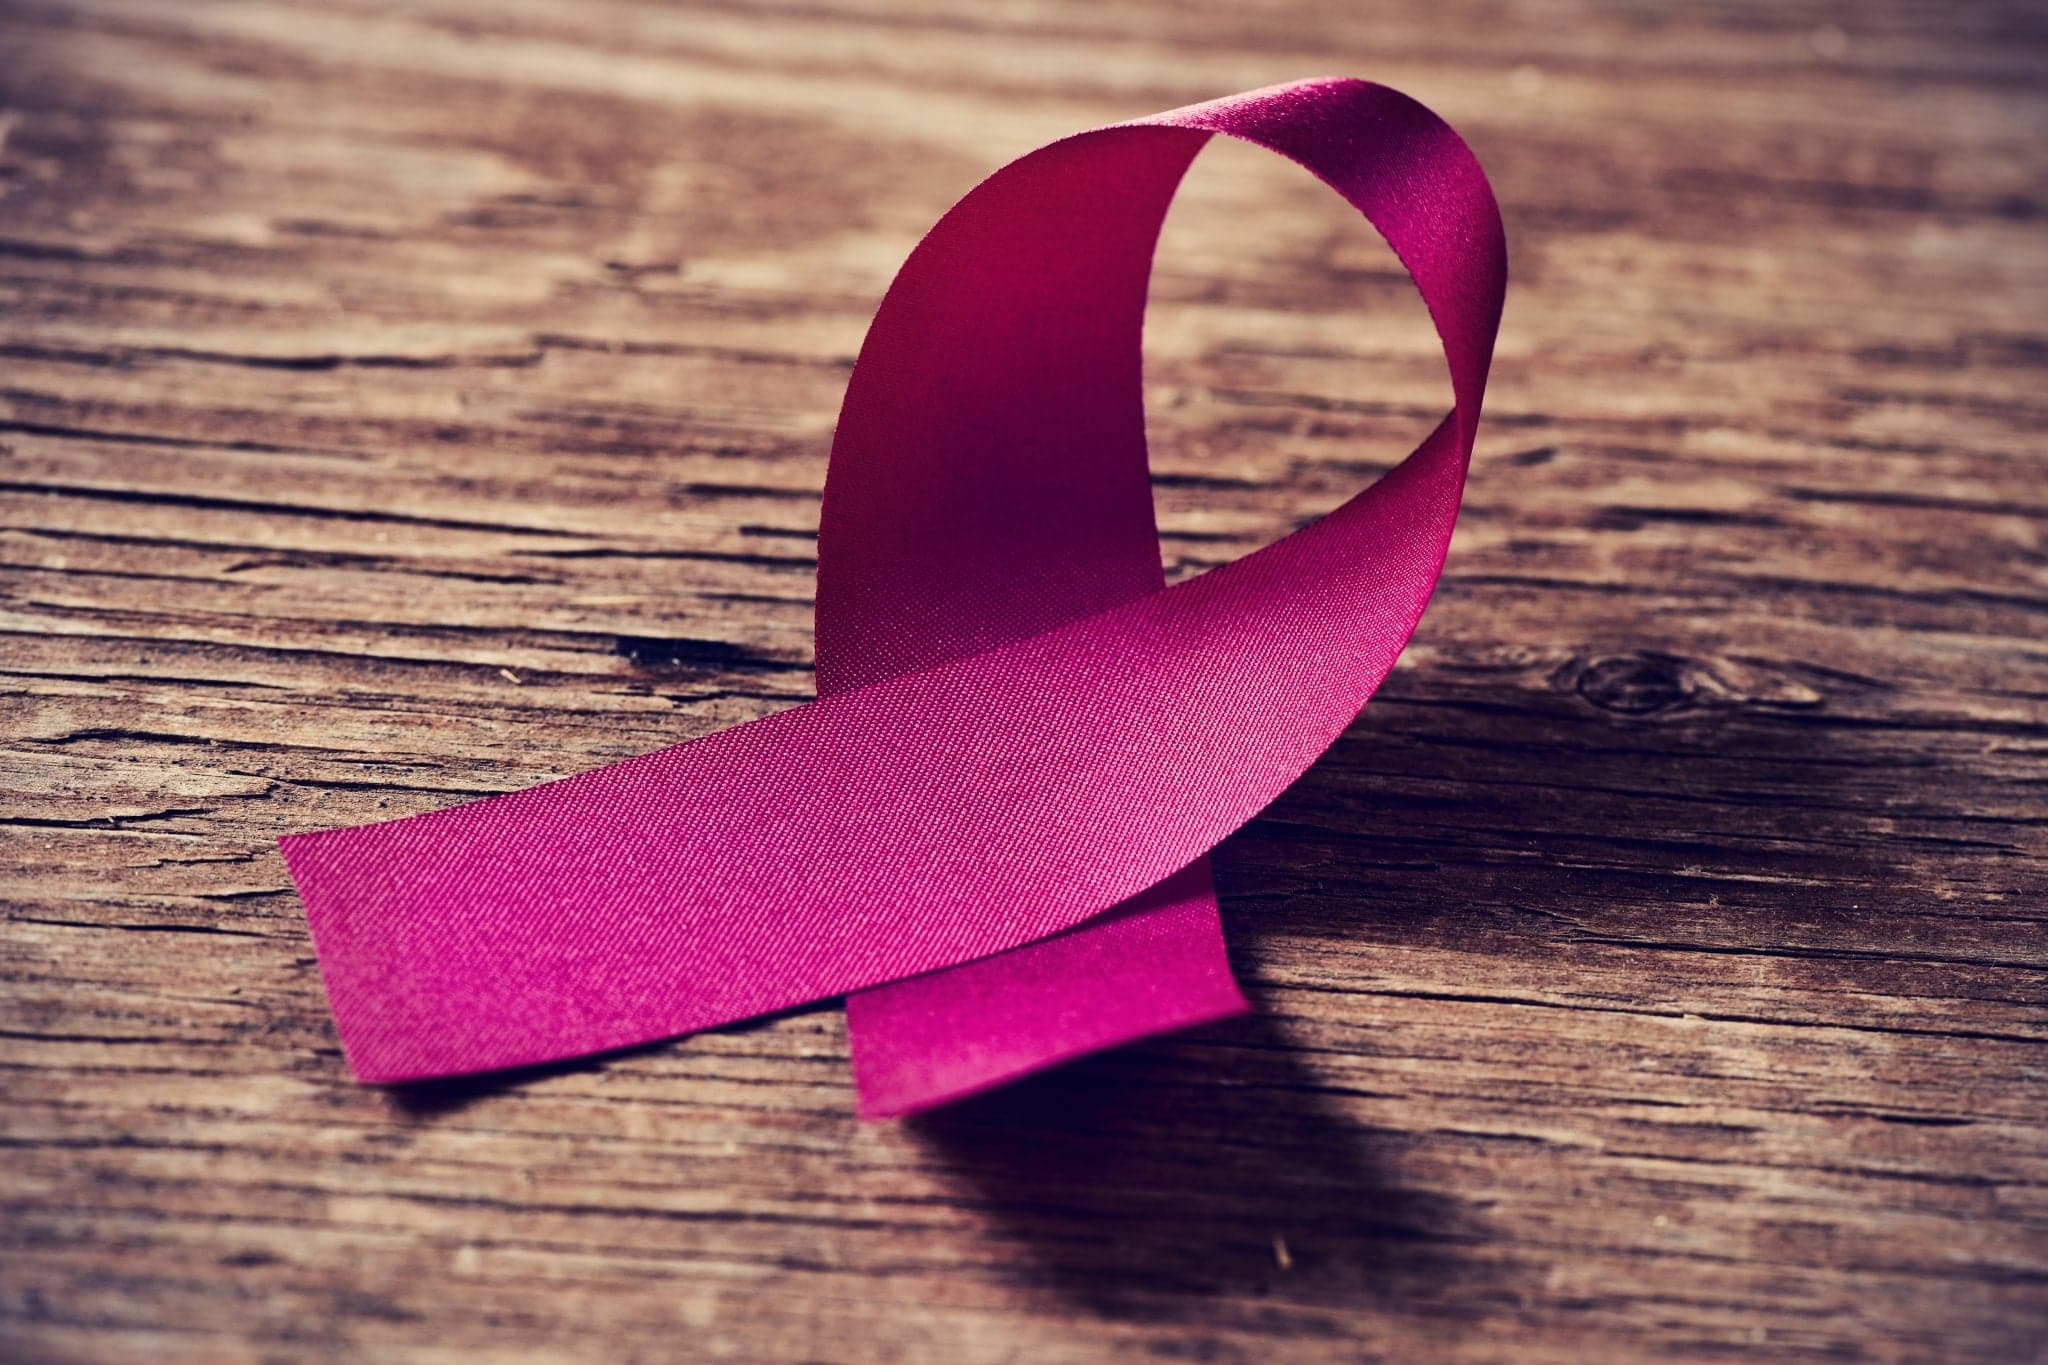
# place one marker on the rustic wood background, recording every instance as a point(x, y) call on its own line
point(406, 400)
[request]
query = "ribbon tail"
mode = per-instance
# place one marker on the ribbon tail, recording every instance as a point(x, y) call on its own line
point(1153, 965)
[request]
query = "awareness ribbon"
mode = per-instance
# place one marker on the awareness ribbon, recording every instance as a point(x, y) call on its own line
point(990, 829)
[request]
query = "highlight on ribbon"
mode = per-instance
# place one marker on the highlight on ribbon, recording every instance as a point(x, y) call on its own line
point(990, 829)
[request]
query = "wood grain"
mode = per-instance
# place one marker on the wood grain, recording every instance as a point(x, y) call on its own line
point(401, 401)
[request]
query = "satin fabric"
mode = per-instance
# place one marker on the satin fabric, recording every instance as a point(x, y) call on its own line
point(991, 825)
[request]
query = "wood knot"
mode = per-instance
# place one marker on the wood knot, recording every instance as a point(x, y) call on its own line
point(1640, 684)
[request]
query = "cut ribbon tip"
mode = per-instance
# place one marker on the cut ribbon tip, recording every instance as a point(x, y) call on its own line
point(990, 829)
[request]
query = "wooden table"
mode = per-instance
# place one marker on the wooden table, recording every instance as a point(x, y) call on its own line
point(409, 399)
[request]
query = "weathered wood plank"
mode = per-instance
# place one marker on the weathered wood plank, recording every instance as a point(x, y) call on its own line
point(406, 401)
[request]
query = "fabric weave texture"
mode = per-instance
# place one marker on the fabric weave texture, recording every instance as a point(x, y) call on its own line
point(990, 829)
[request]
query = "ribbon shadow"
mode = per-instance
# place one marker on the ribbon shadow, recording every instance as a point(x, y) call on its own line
point(1210, 1164)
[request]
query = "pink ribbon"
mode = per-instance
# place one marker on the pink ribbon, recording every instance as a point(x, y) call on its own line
point(990, 827)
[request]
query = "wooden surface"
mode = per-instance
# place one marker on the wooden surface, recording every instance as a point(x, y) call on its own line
point(406, 401)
